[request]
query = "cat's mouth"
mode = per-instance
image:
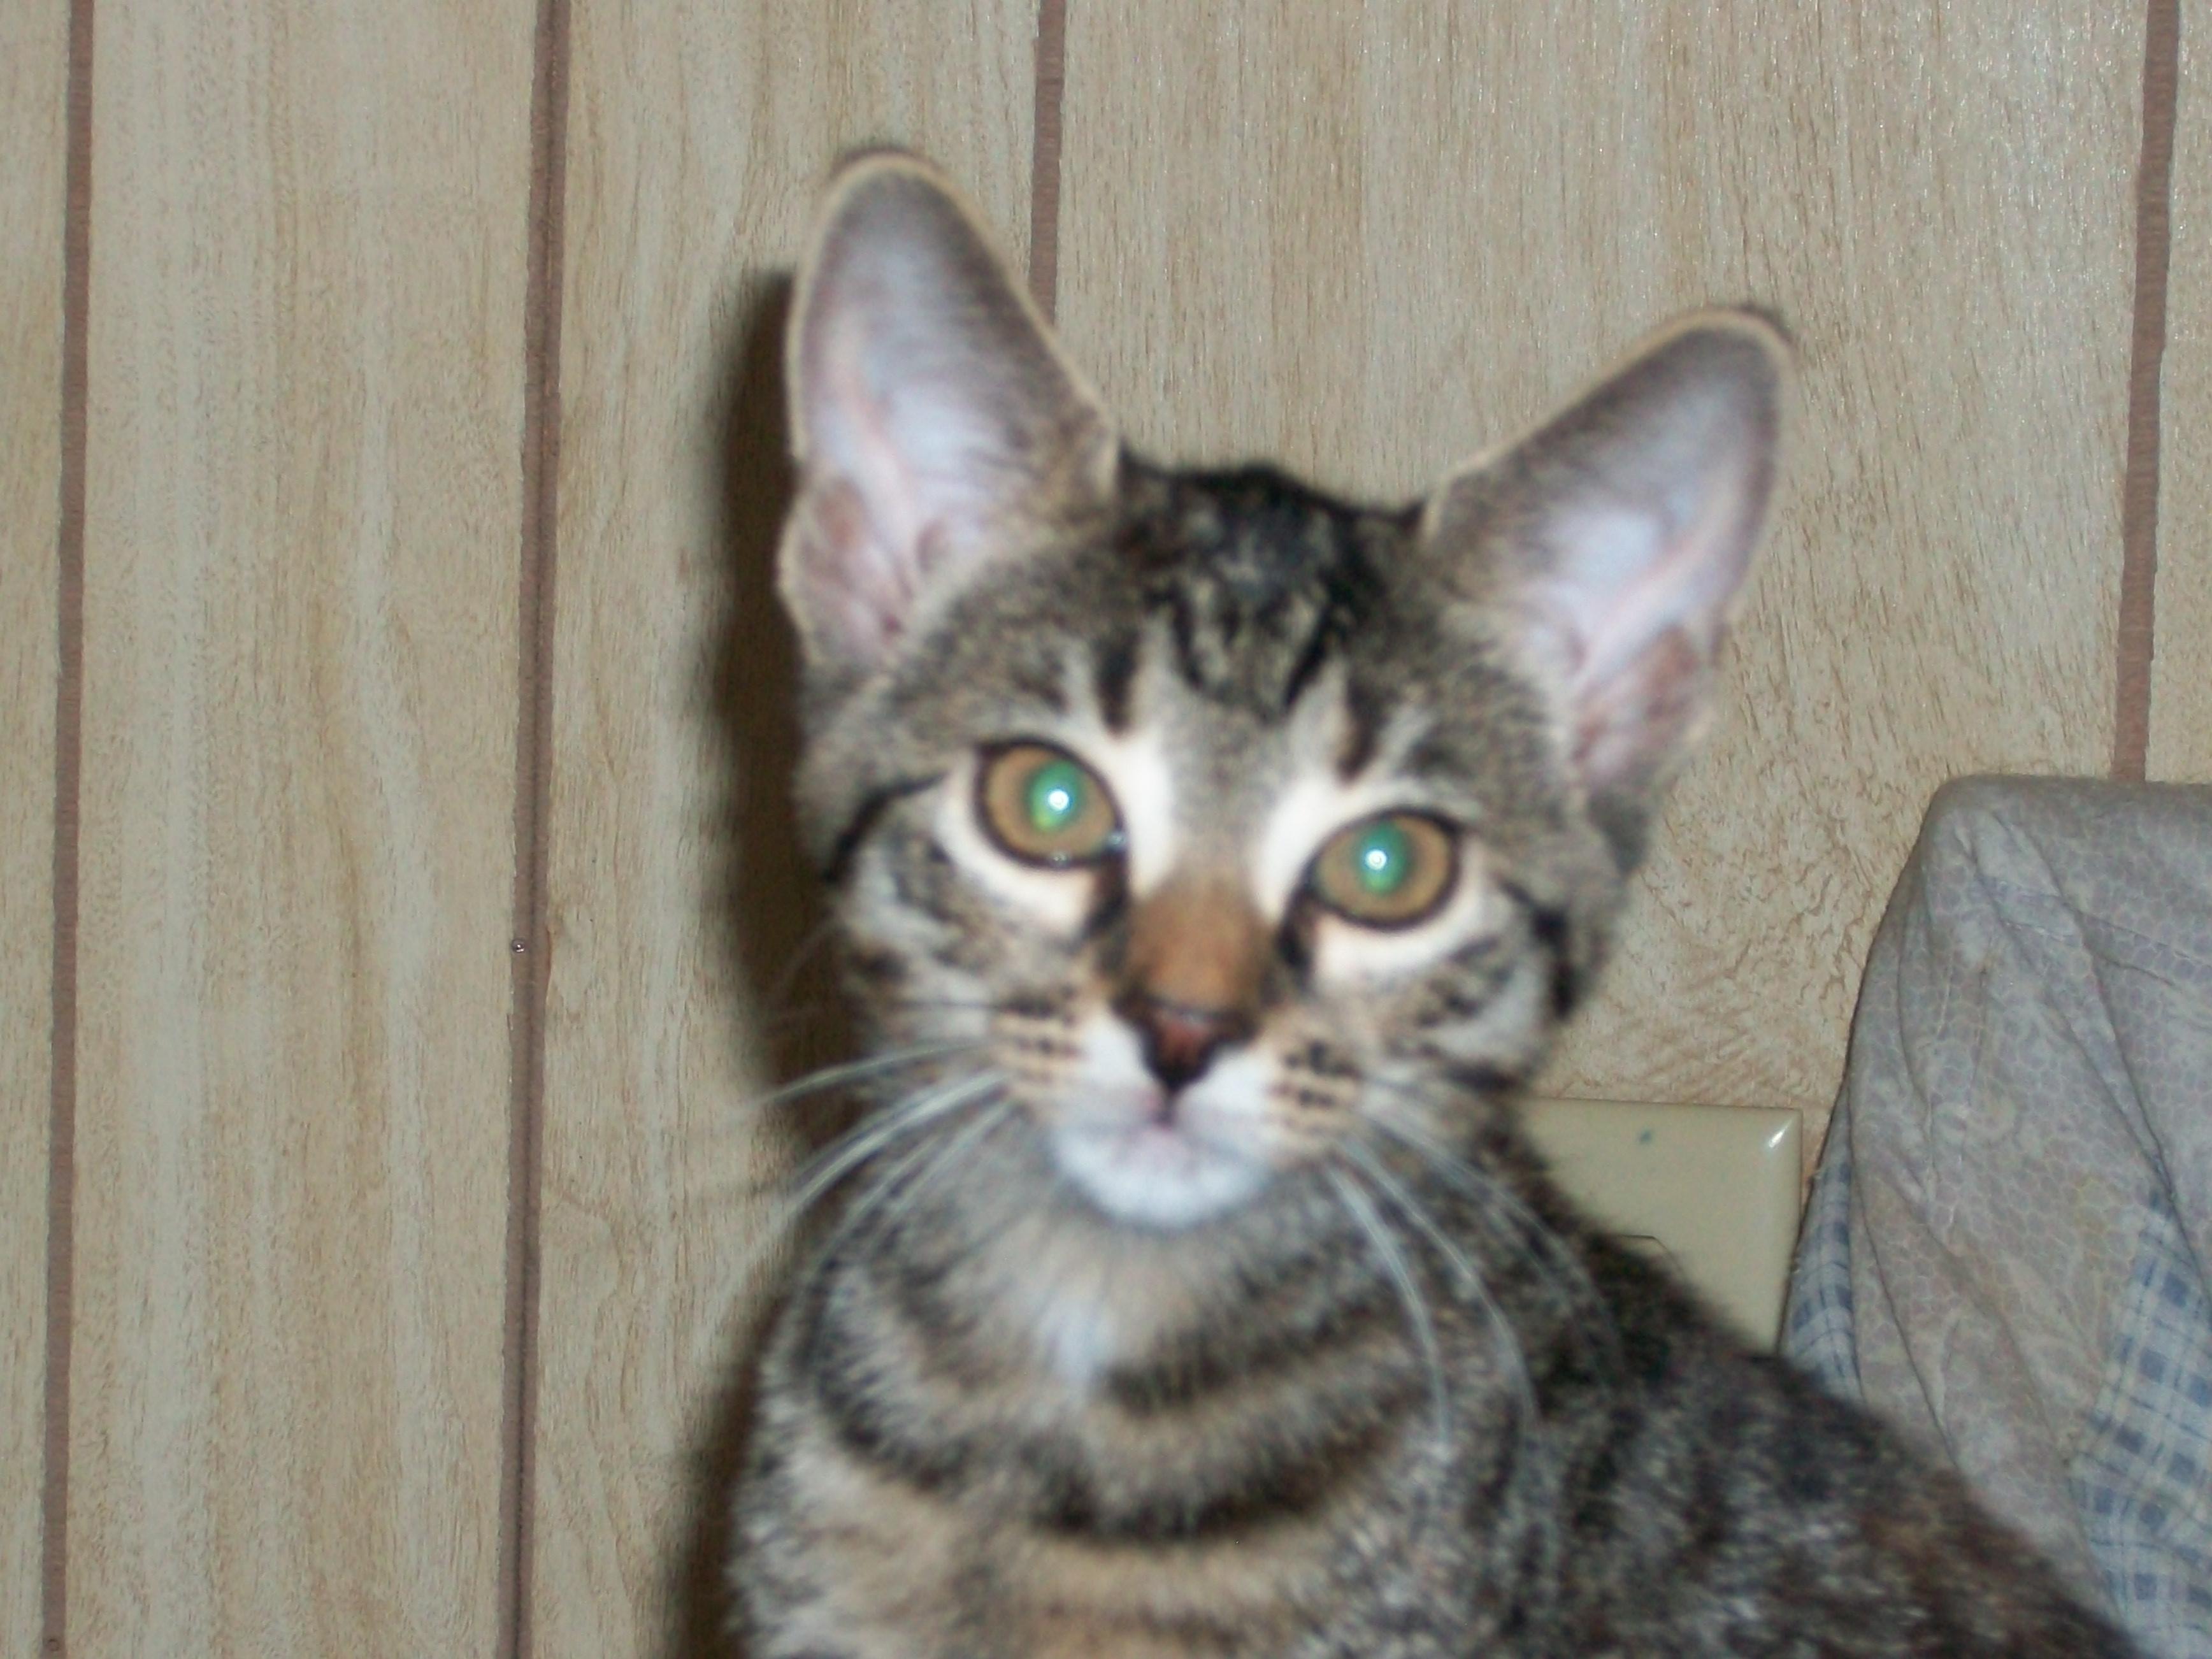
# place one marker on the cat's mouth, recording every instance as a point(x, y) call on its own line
point(1154, 1156)
point(1157, 1175)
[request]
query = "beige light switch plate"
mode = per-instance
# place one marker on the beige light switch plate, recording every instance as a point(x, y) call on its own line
point(1715, 1189)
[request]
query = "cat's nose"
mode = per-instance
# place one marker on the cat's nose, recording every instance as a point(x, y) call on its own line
point(1179, 1041)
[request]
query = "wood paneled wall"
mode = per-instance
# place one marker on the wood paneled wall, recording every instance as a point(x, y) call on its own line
point(34, 138)
point(2181, 746)
point(398, 903)
point(302, 513)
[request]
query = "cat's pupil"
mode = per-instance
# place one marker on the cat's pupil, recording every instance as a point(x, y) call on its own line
point(1383, 858)
point(1056, 796)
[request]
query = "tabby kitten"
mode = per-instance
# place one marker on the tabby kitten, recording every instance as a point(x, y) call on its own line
point(1213, 860)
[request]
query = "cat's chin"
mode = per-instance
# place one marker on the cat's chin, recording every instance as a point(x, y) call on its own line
point(1157, 1177)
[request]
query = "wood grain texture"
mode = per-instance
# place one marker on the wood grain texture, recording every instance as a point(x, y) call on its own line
point(1370, 240)
point(34, 94)
point(302, 524)
point(2181, 665)
point(699, 137)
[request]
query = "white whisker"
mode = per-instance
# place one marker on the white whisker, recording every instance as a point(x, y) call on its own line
point(855, 1071)
point(848, 1153)
point(843, 1156)
point(1491, 1196)
point(941, 1159)
point(1411, 1207)
point(1370, 1222)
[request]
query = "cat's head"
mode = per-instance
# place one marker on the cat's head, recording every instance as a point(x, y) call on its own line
point(1229, 820)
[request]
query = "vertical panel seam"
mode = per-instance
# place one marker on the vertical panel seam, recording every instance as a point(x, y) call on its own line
point(1051, 81)
point(69, 753)
point(2139, 606)
point(531, 945)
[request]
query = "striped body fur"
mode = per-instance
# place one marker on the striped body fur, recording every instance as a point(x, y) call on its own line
point(1213, 861)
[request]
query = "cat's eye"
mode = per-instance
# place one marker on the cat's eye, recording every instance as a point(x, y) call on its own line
point(1044, 806)
point(1391, 871)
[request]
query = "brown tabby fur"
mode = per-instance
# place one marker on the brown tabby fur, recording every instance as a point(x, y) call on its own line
point(1389, 1396)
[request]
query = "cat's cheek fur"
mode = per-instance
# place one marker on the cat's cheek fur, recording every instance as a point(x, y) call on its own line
point(879, 923)
point(1507, 1036)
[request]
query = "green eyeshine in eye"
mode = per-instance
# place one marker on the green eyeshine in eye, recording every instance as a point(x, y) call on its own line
point(1383, 859)
point(1390, 871)
point(1045, 807)
point(1056, 796)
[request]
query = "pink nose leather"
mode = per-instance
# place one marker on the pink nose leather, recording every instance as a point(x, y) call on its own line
point(1180, 1041)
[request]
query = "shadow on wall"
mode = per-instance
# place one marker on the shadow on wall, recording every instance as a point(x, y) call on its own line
point(770, 899)
point(769, 902)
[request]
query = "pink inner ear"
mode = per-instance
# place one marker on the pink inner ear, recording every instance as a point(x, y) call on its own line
point(1629, 723)
point(854, 437)
point(898, 457)
point(857, 590)
point(930, 407)
point(1628, 575)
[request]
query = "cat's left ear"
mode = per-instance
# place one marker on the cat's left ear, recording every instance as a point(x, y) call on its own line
point(1613, 543)
point(936, 424)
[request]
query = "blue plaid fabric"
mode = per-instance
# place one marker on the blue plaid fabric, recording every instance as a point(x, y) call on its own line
point(2143, 1478)
point(2022, 1160)
point(1816, 1322)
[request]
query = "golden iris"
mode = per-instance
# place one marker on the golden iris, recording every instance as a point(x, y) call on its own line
point(1391, 871)
point(1043, 805)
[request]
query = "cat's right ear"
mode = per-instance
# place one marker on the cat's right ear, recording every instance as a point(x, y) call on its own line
point(936, 425)
point(1612, 545)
